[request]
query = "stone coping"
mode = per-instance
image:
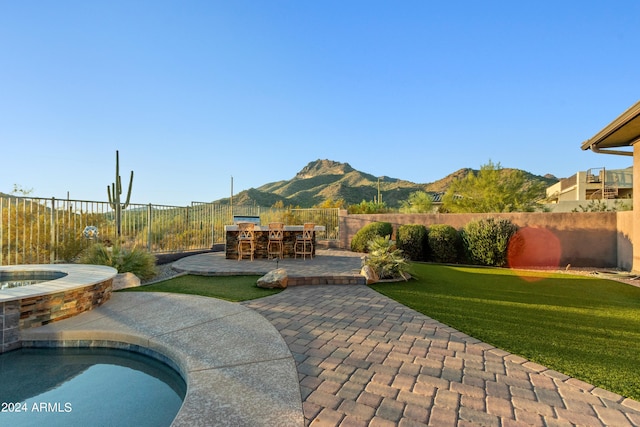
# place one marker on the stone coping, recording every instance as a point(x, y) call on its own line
point(266, 228)
point(77, 276)
point(237, 367)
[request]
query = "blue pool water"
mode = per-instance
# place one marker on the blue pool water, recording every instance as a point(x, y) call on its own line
point(16, 279)
point(8, 284)
point(87, 386)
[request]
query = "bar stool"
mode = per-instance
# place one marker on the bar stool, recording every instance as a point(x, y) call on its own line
point(246, 239)
point(304, 242)
point(276, 240)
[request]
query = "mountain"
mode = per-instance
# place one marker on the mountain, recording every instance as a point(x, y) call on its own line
point(326, 179)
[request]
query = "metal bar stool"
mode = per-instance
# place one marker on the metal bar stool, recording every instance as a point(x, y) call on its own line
point(275, 246)
point(304, 242)
point(246, 239)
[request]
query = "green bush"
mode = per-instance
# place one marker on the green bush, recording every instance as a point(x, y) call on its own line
point(136, 261)
point(368, 208)
point(444, 243)
point(361, 239)
point(486, 241)
point(412, 241)
point(385, 259)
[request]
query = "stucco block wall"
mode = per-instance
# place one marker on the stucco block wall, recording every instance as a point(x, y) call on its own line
point(584, 239)
point(625, 240)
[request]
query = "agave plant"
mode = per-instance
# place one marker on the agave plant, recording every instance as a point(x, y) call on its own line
point(385, 259)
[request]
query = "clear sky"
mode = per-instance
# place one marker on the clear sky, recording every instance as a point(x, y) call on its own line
point(194, 92)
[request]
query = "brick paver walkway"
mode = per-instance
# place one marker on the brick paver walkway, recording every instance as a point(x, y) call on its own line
point(364, 359)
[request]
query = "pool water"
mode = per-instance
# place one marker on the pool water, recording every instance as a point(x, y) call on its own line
point(8, 284)
point(87, 386)
point(17, 278)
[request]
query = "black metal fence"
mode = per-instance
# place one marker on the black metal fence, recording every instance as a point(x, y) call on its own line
point(40, 231)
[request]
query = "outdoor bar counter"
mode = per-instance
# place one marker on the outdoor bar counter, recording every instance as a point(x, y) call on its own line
point(262, 240)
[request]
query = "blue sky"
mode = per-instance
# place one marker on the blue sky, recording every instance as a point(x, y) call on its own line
point(194, 92)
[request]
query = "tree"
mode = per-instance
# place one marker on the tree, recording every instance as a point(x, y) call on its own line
point(331, 204)
point(418, 202)
point(368, 208)
point(493, 189)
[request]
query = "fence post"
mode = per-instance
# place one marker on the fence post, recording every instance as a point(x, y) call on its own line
point(52, 250)
point(149, 227)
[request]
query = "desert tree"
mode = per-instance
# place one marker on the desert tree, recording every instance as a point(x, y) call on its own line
point(493, 189)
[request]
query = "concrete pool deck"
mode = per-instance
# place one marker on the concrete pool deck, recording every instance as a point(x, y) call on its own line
point(238, 369)
point(336, 355)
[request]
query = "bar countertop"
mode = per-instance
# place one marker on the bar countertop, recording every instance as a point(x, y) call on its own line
point(266, 228)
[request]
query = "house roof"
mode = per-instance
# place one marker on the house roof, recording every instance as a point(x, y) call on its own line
point(624, 131)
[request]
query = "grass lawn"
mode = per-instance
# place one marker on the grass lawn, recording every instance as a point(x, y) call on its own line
point(229, 288)
point(585, 327)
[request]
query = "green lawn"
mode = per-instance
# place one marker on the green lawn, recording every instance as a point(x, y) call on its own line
point(230, 288)
point(585, 327)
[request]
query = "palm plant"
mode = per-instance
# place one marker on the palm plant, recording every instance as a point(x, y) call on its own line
point(385, 259)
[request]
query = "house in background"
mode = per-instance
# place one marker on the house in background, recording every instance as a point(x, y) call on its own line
point(615, 138)
point(613, 188)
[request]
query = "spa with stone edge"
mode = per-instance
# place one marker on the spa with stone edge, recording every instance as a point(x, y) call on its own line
point(35, 295)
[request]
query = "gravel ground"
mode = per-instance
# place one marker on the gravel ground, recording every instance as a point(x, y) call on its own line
point(164, 272)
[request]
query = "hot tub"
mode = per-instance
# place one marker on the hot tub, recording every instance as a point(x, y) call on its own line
point(73, 289)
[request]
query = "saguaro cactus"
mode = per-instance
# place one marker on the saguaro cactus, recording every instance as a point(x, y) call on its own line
point(114, 191)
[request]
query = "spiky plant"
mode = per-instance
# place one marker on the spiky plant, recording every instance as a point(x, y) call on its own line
point(387, 260)
point(137, 261)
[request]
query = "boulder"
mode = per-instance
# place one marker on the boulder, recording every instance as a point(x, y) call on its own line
point(275, 279)
point(125, 280)
point(369, 274)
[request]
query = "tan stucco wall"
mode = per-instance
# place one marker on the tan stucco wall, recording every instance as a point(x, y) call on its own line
point(585, 239)
point(636, 206)
point(625, 239)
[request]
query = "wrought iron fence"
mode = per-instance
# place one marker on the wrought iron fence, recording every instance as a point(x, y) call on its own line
point(39, 230)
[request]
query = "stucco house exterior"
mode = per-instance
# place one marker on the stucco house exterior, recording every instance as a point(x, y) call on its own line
point(622, 137)
point(612, 187)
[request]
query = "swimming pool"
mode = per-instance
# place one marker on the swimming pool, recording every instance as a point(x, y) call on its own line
point(87, 386)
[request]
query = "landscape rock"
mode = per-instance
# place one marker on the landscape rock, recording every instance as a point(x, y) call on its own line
point(275, 279)
point(125, 280)
point(369, 274)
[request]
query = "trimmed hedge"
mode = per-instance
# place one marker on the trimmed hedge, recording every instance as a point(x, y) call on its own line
point(412, 240)
point(361, 239)
point(445, 243)
point(486, 241)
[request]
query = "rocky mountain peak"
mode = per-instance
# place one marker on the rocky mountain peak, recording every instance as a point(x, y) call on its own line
point(324, 167)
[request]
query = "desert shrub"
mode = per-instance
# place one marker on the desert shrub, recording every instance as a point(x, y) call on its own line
point(69, 245)
point(486, 241)
point(412, 241)
point(444, 243)
point(385, 259)
point(368, 208)
point(367, 233)
point(137, 261)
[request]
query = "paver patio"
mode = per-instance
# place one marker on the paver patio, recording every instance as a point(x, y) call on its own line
point(364, 359)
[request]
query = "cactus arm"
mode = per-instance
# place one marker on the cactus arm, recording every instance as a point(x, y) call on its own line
point(126, 203)
point(110, 199)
